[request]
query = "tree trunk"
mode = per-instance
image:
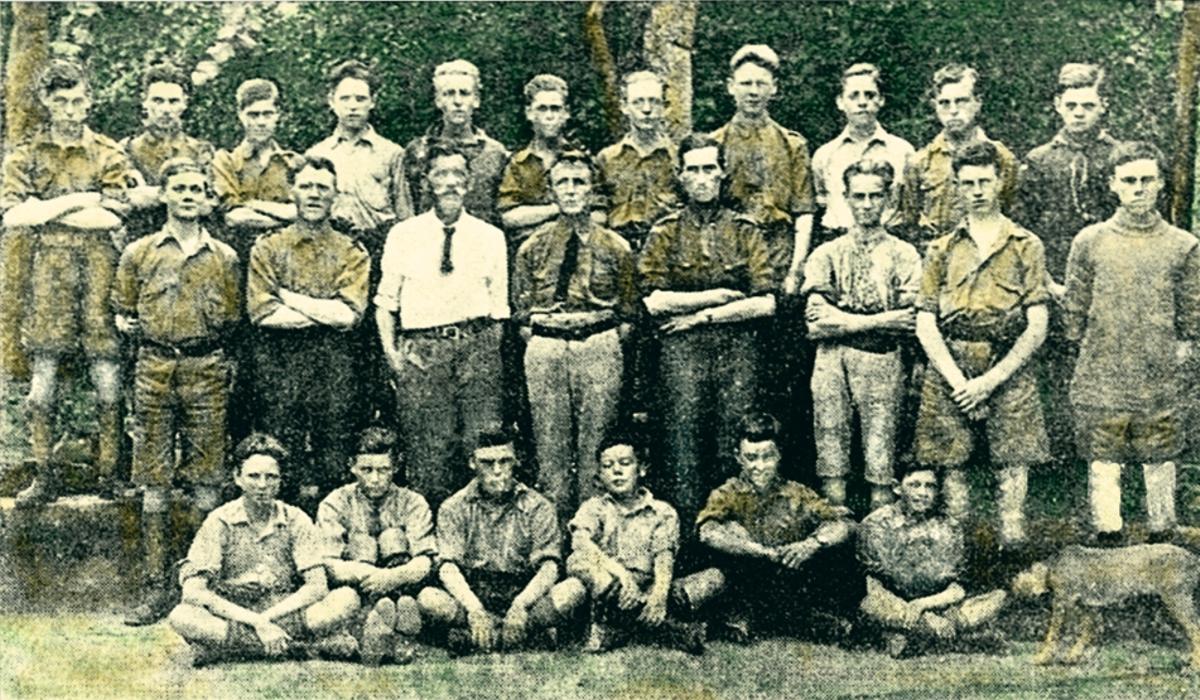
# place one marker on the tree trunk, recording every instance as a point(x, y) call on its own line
point(1183, 146)
point(28, 49)
point(602, 60)
point(668, 40)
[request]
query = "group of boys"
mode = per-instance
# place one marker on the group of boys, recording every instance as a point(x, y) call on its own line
point(667, 263)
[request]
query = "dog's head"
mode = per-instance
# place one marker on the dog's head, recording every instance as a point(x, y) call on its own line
point(1032, 582)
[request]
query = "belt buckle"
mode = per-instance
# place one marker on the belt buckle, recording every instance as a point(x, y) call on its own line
point(452, 332)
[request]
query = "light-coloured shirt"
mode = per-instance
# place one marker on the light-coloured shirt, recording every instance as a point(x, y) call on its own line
point(831, 160)
point(509, 535)
point(633, 535)
point(414, 286)
point(323, 265)
point(355, 528)
point(229, 549)
point(881, 275)
point(372, 187)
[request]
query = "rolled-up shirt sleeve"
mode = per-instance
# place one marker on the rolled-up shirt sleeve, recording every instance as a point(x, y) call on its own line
point(387, 294)
point(419, 526)
point(204, 557)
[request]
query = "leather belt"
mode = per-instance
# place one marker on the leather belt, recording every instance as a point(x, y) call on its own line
point(452, 331)
point(192, 348)
point(573, 333)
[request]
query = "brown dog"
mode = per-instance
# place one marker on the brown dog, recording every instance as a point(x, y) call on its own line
point(1084, 580)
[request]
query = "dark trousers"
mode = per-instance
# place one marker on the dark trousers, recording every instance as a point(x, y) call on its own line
point(707, 381)
point(306, 388)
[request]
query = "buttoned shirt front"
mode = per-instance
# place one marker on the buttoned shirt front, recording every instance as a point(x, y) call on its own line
point(149, 151)
point(414, 286)
point(1063, 187)
point(830, 163)
point(357, 528)
point(700, 248)
point(929, 195)
point(912, 556)
point(983, 294)
point(603, 277)
point(231, 550)
point(881, 274)
point(245, 173)
point(323, 264)
point(42, 168)
point(372, 187)
point(786, 512)
point(513, 534)
point(178, 297)
point(634, 535)
point(525, 181)
point(638, 183)
point(486, 158)
point(767, 169)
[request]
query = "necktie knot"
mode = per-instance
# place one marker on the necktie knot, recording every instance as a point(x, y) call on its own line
point(447, 243)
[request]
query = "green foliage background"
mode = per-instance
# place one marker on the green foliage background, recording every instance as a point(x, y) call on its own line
point(1017, 45)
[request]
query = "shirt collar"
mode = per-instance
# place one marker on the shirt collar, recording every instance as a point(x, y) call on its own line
point(236, 515)
point(367, 136)
point(86, 139)
point(246, 151)
point(878, 136)
point(1063, 140)
point(942, 144)
point(642, 502)
point(167, 234)
point(748, 124)
point(387, 497)
point(662, 144)
point(437, 129)
point(475, 493)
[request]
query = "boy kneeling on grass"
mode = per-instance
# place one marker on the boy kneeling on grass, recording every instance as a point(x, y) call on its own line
point(624, 543)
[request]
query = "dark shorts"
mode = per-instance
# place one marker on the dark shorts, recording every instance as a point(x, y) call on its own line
point(1128, 436)
point(496, 590)
point(1015, 429)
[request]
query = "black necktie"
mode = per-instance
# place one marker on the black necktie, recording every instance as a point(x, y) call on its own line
point(447, 264)
point(569, 263)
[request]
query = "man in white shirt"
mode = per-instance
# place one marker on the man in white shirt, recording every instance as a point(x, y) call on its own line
point(444, 289)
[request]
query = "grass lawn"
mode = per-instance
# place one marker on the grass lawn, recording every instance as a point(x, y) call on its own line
point(94, 656)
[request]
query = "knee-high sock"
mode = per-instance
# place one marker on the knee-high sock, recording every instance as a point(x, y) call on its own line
point(1014, 485)
point(1104, 495)
point(1160, 495)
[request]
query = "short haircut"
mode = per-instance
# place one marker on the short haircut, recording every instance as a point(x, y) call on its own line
point(256, 90)
point(575, 156)
point(377, 441)
point(758, 54)
point(259, 444)
point(954, 73)
point(640, 76)
point(869, 70)
point(1129, 151)
point(456, 67)
point(695, 141)
point(61, 74)
point(495, 435)
point(316, 163)
point(758, 427)
point(165, 73)
point(981, 153)
point(907, 467)
point(546, 83)
point(1080, 75)
point(622, 437)
point(350, 68)
point(870, 166)
point(443, 149)
point(182, 164)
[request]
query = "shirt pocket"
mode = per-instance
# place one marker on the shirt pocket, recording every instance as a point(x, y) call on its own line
point(603, 283)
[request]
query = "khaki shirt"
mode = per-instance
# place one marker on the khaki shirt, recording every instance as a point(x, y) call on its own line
point(372, 187)
point(178, 298)
point(486, 158)
point(639, 186)
point(983, 296)
point(148, 152)
point(787, 512)
point(694, 249)
point(355, 528)
point(229, 550)
point(767, 167)
point(912, 557)
point(240, 175)
point(327, 265)
point(929, 196)
point(634, 536)
point(603, 278)
point(512, 535)
point(41, 168)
